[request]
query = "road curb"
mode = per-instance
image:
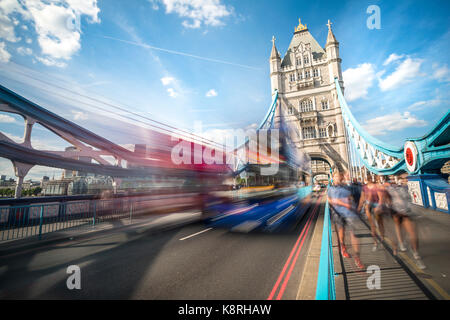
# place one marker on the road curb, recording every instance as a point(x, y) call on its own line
point(308, 282)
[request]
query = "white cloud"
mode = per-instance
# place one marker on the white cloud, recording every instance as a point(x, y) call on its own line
point(7, 23)
point(7, 29)
point(228, 137)
point(13, 137)
point(441, 73)
point(193, 25)
point(419, 105)
point(392, 122)
point(51, 62)
point(12, 6)
point(198, 12)
point(167, 80)
point(406, 72)
point(172, 93)
point(358, 80)
point(211, 93)
point(393, 57)
point(55, 36)
point(24, 51)
point(79, 115)
point(36, 173)
point(40, 144)
point(6, 119)
point(56, 23)
point(4, 54)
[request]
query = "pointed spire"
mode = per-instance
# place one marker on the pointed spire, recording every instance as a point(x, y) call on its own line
point(331, 39)
point(274, 54)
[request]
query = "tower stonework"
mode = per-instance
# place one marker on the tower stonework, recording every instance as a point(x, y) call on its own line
point(307, 97)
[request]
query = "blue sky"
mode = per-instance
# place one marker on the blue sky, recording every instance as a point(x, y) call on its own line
point(183, 61)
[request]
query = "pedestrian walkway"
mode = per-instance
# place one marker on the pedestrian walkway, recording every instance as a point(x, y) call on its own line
point(400, 276)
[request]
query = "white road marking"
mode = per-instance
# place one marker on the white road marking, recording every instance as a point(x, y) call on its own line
point(280, 215)
point(246, 226)
point(193, 235)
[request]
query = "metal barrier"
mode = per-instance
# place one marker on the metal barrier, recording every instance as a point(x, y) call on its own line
point(21, 221)
point(30, 220)
point(325, 280)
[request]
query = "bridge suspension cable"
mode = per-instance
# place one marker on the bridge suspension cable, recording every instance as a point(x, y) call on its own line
point(377, 156)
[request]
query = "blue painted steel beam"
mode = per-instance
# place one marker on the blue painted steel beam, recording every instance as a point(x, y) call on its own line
point(433, 148)
point(325, 289)
point(381, 146)
point(46, 118)
point(19, 153)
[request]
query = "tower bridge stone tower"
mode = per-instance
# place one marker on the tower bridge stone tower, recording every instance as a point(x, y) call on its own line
point(307, 98)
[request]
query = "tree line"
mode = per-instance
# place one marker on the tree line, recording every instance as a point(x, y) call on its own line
point(9, 192)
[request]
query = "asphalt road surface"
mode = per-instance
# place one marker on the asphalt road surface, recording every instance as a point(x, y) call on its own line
point(189, 262)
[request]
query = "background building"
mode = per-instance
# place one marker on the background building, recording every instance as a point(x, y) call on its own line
point(307, 97)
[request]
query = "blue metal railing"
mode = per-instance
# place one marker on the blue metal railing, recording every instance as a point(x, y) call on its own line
point(325, 280)
point(21, 221)
point(26, 220)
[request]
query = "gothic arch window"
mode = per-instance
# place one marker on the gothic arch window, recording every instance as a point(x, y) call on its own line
point(324, 104)
point(331, 130)
point(290, 110)
point(307, 74)
point(316, 72)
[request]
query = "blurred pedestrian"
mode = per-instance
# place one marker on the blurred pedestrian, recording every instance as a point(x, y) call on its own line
point(403, 218)
point(385, 204)
point(369, 201)
point(356, 188)
point(342, 208)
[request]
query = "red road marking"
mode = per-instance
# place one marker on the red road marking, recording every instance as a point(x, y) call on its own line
point(280, 277)
point(288, 276)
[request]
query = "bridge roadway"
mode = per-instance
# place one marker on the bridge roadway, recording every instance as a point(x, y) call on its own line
point(187, 262)
point(151, 259)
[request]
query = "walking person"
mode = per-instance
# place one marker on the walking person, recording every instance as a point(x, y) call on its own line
point(369, 200)
point(383, 208)
point(342, 208)
point(403, 218)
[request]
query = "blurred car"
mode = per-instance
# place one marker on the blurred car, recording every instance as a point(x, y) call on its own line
point(317, 188)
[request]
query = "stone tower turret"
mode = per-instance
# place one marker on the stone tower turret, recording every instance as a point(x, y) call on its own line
point(334, 61)
point(275, 68)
